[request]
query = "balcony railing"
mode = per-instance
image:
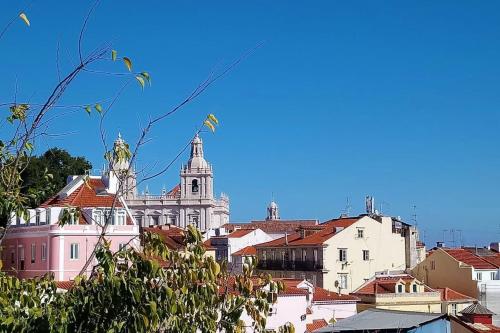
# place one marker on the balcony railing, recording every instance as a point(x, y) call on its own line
point(297, 265)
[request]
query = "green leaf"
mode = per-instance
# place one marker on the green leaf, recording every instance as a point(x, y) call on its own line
point(141, 81)
point(128, 63)
point(212, 118)
point(208, 124)
point(113, 54)
point(146, 76)
point(25, 19)
point(88, 109)
point(98, 107)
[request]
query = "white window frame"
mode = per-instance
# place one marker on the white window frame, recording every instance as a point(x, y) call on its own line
point(47, 216)
point(122, 246)
point(37, 217)
point(97, 217)
point(74, 251)
point(44, 252)
point(479, 276)
point(366, 255)
point(343, 281)
point(304, 255)
point(315, 256)
point(492, 275)
point(342, 254)
point(120, 217)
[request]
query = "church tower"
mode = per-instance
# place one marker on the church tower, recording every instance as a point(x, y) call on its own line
point(197, 187)
point(119, 171)
point(273, 212)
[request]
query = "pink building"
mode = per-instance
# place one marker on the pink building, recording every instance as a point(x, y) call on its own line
point(39, 245)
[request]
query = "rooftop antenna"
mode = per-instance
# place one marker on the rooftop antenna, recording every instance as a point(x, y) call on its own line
point(414, 216)
point(347, 209)
point(444, 235)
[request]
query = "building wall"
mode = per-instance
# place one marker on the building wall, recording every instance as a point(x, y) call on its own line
point(386, 251)
point(326, 311)
point(441, 270)
point(437, 326)
point(419, 302)
point(286, 309)
point(58, 241)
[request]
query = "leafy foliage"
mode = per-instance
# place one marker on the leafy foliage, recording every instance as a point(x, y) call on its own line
point(153, 290)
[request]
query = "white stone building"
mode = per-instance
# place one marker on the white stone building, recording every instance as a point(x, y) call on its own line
point(192, 201)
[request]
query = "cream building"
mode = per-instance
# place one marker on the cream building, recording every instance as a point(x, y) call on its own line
point(192, 201)
point(341, 254)
point(401, 292)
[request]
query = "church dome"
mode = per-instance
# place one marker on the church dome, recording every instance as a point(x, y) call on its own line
point(273, 205)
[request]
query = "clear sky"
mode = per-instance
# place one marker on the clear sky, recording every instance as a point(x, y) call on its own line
point(395, 99)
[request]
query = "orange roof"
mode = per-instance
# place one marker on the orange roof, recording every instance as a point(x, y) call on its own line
point(470, 259)
point(316, 324)
point(342, 222)
point(246, 251)
point(385, 285)
point(448, 294)
point(173, 237)
point(64, 284)
point(289, 284)
point(91, 195)
point(239, 233)
point(271, 226)
point(323, 295)
point(176, 191)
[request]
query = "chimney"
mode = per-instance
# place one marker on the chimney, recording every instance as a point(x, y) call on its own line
point(440, 244)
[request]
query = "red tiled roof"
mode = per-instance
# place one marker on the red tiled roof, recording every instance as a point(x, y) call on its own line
point(85, 196)
point(246, 251)
point(476, 328)
point(289, 284)
point(384, 285)
point(173, 237)
point(175, 191)
point(208, 245)
point(342, 222)
point(450, 295)
point(315, 325)
point(323, 295)
point(272, 225)
point(486, 254)
point(470, 259)
point(64, 284)
point(239, 233)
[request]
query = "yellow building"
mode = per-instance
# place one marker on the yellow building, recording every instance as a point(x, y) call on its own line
point(400, 292)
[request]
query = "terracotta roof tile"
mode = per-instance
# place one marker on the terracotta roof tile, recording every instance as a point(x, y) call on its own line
point(85, 196)
point(246, 251)
point(64, 284)
point(450, 295)
point(323, 295)
point(470, 259)
point(272, 225)
point(315, 325)
point(239, 233)
point(385, 285)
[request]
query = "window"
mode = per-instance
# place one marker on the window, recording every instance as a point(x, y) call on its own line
point(120, 217)
point(72, 219)
point(122, 246)
point(454, 309)
point(343, 281)
point(400, 288)
point(414, 288)
point(283, 258)
point(492, 275)
point(47, 216)
point(97, 217)
point(37, 217)
point(315, 255)
point(479, 276)
point(154, 220)
point(33, 253)
point(366, 255)
point(12, 257)
point(73, 255)
point(194, 186)
point(342, 255)
point(21, 258)
point(293, 255)
point(138, 219)
point(360, 233)
point(44, 251)
point(304, 255)
point(264, 256)
point(433, 265)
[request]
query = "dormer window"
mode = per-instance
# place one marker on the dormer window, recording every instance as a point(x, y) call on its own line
point(194, 186)
point(400, 288)
point(414, 288)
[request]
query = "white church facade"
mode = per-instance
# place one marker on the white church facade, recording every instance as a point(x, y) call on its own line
point(192, 201)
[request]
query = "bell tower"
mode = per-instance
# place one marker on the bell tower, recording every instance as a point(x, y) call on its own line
point(120, 171)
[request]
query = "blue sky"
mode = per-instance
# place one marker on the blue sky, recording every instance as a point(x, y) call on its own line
point(399, 100)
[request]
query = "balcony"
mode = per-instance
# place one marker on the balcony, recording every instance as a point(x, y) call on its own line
point(297, 265)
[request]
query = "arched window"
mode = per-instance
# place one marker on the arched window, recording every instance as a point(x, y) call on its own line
point(194, 186)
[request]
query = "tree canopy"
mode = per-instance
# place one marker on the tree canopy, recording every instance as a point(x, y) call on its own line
point(56, 162)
